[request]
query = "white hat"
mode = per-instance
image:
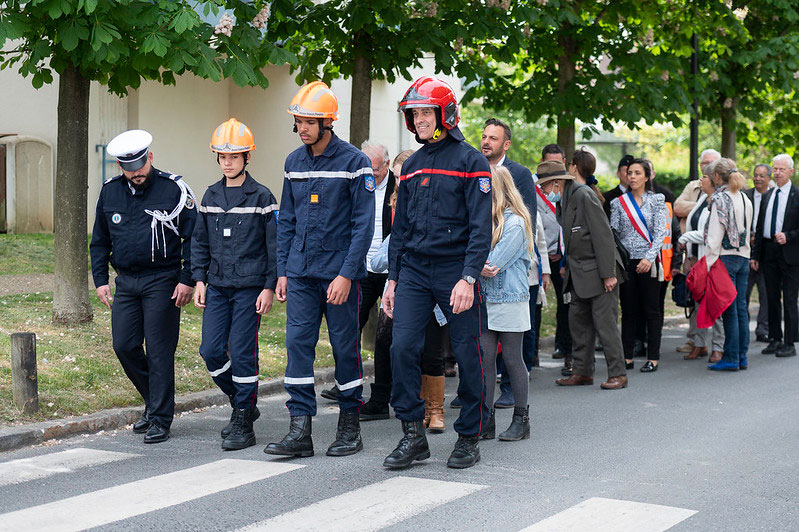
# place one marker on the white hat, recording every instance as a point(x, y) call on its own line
point(130, 148)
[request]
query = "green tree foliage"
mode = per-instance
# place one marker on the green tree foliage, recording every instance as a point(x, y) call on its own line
point(118, 43)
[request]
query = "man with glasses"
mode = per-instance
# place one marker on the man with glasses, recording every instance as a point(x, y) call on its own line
point(776, 251)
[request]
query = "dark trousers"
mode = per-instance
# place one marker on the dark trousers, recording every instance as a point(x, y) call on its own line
point(640, 300)
point(433, 355)
point(756, 277)
point(230, 342)
point(591, 317)
point(782, 283)
point(372, 289)
point(144, 312)
point(306, 303)
point(422, 283)
point(563, 337)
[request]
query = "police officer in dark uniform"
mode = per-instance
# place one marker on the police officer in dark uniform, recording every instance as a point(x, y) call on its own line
point(143, 226)
point(439, 244)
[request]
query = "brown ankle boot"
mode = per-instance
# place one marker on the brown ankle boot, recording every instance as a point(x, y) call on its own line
point(425, 393)
point(435, 399)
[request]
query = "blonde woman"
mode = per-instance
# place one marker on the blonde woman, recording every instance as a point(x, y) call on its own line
point(504, 279)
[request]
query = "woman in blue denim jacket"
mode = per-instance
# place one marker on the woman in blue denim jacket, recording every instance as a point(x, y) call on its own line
point(504, 279)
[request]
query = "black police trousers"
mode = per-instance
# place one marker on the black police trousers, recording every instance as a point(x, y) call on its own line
point(144, 311)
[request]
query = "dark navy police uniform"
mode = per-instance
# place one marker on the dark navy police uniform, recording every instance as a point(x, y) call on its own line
point(325, 230)
point(233, 253)
point(441, 233)
point(150, 258)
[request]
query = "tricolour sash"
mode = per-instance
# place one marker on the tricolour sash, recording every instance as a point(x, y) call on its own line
point(551, 208)
point(635, 216)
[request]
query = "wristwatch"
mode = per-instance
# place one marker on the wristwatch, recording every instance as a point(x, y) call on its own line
point(469, 279)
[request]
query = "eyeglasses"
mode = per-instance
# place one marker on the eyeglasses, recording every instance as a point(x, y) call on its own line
point(377, 169)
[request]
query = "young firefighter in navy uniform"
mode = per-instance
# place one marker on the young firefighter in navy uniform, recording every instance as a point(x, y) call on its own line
point(325, 230)
point(439, 244)
point(234, 262)
point(143, 226)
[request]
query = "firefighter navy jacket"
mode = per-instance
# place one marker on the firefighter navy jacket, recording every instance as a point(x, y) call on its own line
point(233, 246)
point(123, 232)
point(327, 212)
point(443, 206)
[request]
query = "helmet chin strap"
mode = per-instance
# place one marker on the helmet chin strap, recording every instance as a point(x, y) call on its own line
point(322, 129)
point(243, 168)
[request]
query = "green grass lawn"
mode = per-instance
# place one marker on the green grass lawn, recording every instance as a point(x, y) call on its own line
point(25, 254)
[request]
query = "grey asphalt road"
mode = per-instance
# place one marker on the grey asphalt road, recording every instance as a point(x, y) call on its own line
point(721, 445)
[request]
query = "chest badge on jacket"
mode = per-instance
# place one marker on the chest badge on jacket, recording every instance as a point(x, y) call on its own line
point(116, 218)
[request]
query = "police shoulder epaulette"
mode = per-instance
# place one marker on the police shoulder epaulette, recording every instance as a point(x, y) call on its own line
point(112, 178)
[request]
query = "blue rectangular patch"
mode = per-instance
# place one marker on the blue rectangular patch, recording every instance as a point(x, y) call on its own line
point(485, 184)
point(369, 182)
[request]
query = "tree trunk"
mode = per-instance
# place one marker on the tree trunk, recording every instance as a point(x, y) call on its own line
point(729, 123)
point(361, 102)
point(70, 295)
point(566, 70)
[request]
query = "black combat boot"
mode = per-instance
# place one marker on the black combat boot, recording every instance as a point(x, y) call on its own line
point(348, 435)
point(465, 454)
point(241, 434)
point(297, 442)
point(412, 446)
point(489, 431)
point(226, 430)
point(520, 426)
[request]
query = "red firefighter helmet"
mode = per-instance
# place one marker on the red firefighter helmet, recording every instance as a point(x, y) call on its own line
point(428, 91)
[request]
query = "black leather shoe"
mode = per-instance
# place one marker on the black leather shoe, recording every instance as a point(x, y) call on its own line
point(649, 367)
point(412, 447)
point(489, 431)
point(599, 346)
point(297, 442)
point(761, 338)
point(348, 435)
point(465, 454)
point(331, 394)
point(629, 365)
point(788, 350)
point(156, 433)
point(558, 353)
point(225, 432)
point(241, 434)
point(772, 347)
point(141, 426)
point(374, 410)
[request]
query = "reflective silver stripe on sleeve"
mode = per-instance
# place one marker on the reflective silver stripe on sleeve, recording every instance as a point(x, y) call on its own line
point(348, 385)
point(253, 378)
point(221, 370)
point(298, 380)
point(240, 210)
point(329, 175)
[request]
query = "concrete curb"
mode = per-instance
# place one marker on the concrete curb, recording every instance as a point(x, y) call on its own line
point(16, 437)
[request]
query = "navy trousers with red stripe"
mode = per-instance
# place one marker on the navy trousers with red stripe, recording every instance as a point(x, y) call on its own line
point(230, 342)
point(306, 303)
point(422, 283)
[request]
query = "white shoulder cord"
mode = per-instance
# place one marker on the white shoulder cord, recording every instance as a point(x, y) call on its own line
point(168, 220)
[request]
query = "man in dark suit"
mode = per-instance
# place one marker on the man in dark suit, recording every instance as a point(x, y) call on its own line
point(495, 144)
point(621, 188)
point(374, 283)
point(761, 176)
point(592, 276)
point(776, 251)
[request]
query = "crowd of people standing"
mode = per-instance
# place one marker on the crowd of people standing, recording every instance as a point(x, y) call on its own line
point(459, 246)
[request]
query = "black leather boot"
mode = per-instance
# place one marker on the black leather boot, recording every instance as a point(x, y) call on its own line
point(348, 435)
point(226, 430)
point(520, 426)
point(465, 454)
point(297, 442)
point(412, 446)
point(489, 431)
point(141, 426)
point(241, 434)
point(377, 406)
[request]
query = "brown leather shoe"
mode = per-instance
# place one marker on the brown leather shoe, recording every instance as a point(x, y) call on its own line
point(696, 352)
point(615, 383)
point(715, 356)
point(687, 347)
point(575, 380)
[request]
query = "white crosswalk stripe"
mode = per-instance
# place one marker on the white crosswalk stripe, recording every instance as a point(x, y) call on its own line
point(372, 507)
point(611, 515)
point(25, 469)
point(128, 500)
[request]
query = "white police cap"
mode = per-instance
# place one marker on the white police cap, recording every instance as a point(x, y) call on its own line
point(130, 148)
